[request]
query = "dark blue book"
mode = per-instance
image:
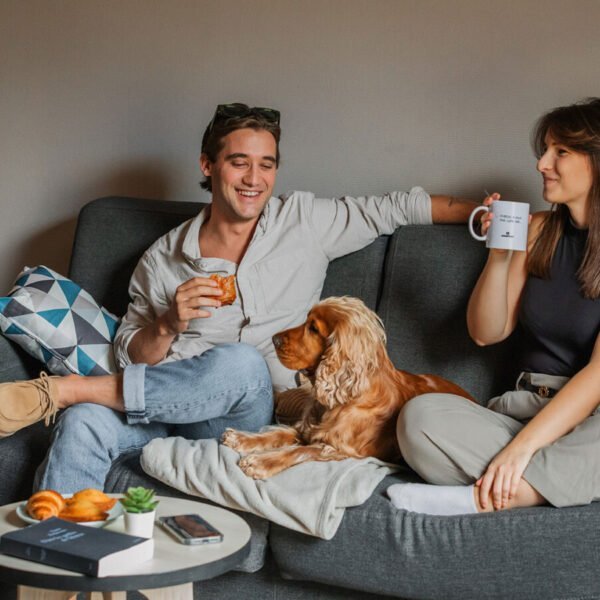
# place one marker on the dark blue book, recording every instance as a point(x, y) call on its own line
point(75, 547)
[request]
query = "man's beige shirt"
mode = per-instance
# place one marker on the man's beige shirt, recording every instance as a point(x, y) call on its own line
point(279, 278)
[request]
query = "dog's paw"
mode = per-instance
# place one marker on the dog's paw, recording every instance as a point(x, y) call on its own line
point(254, 467)
point(232, 438)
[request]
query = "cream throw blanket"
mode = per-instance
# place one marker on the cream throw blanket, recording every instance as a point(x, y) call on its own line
point(310, 497)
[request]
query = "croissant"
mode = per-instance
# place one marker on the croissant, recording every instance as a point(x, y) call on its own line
point(45, 504)
point(227, 286)
point(82, 511)
point(100, 499)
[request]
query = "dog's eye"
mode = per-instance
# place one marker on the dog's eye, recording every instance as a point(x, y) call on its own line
point(313, 329)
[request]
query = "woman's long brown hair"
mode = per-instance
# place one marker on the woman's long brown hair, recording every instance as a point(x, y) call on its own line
point(577, 127)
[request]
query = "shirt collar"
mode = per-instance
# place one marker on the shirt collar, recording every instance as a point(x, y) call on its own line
point(264, 218)
point(191, 247)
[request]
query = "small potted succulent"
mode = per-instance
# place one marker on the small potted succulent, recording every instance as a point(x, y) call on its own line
point(139, 505)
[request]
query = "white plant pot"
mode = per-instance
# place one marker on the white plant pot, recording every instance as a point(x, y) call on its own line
point(140, 524)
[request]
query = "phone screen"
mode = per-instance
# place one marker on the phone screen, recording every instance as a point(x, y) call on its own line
point(191, 529)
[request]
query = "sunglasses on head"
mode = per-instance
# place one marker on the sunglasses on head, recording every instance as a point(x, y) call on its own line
point(237, 110)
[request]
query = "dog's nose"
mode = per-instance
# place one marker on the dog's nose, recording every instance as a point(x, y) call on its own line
point(277, 341)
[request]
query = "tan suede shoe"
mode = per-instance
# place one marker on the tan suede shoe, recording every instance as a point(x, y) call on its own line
point(23, 403)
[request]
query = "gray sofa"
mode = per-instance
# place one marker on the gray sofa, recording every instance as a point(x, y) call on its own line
point(419, 281)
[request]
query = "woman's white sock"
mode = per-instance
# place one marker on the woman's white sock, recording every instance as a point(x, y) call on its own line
point(433, 499)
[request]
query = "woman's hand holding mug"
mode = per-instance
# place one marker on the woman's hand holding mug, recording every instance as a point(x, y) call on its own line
point(504, 226)
point(487, 216)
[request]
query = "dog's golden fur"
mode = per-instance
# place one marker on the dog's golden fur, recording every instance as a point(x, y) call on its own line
point(357, 393)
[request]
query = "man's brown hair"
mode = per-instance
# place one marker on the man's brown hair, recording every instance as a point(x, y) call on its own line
point(218, 128)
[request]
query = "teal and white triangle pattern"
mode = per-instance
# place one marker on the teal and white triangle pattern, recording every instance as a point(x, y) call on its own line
point(59, 323)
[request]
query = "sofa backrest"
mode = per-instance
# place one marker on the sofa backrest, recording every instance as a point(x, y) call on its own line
point(429, 274)
point(112, 234)
point(358, 274)
point(419, 281)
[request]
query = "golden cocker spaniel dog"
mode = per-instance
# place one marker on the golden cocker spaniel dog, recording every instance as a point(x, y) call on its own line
point(357, 393)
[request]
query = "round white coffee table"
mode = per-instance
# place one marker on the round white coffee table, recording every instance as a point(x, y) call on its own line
point(168, 576)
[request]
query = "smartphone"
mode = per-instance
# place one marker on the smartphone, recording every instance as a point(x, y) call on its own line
point(191, 529)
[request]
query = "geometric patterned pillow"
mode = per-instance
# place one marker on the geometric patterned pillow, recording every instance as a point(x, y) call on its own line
point(59, 323)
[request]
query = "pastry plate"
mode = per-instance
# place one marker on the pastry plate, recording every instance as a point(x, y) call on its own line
point(113, 514)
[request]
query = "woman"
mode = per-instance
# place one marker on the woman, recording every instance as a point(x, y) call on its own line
point(540, 443)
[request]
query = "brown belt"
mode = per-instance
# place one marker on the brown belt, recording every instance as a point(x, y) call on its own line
point(541, 390)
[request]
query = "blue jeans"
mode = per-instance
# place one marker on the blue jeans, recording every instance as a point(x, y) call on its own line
point(227, 386)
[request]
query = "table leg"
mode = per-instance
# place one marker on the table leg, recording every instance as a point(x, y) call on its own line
point(176, 592)
point(29, 593)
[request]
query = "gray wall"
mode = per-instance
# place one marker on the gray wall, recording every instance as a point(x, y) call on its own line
point(104, 97)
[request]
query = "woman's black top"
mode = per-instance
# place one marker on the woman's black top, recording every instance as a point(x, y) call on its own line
point(560, 326)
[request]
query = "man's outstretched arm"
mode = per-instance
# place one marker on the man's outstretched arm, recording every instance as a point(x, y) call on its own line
point(449, 209)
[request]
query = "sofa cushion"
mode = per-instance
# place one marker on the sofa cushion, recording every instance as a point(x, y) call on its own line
point(510, 554)
point(430, 271)
point(59, 323)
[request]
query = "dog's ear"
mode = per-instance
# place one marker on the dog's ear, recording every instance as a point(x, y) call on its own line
point(351, 358)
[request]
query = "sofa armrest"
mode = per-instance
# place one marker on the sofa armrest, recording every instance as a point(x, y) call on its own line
point(15, 363)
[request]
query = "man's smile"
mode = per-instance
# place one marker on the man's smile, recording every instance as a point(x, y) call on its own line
point(248, 193)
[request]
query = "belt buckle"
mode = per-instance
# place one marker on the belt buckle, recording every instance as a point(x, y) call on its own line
point(543, 391)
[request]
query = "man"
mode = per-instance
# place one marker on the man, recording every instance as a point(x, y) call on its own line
point(191, 366)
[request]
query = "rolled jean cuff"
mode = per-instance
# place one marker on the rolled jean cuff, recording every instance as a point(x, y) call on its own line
point(134, 377)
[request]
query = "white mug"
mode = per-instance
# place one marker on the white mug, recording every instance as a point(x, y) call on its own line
point(508, 228)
